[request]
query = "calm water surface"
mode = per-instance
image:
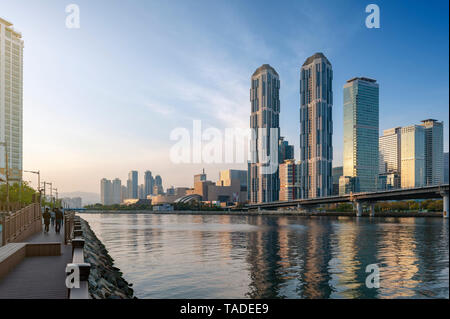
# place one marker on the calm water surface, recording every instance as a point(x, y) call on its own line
point(198, 256)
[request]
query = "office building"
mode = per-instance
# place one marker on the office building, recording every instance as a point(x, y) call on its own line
point(289, 180)
point(390, 151)
point(11, 100)
point(316, 127)
point(336, 174)
point(264, 122)
point(361, 125)
point(412, 156)
point(434, 151)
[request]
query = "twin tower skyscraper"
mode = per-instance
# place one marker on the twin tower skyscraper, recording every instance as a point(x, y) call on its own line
point(316, 130)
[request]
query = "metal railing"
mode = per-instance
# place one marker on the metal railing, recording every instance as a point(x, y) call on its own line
point(21, 224)
point(76, 239)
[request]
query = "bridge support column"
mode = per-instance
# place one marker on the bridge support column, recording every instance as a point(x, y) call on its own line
point(358, 209)
point(445, 204)
point(372, 209)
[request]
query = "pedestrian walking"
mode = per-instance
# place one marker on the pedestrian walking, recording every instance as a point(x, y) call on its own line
point(46, 216)
point(58, 220)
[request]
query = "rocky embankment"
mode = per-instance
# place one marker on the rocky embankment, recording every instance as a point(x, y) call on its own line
point(105, 280)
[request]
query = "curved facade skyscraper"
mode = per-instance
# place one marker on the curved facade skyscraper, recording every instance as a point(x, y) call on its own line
point(264, 122)
point(316, 127)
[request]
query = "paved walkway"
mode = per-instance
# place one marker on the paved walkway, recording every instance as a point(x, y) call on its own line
point(39, 277)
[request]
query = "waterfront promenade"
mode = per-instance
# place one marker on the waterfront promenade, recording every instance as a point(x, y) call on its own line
point(39, 276)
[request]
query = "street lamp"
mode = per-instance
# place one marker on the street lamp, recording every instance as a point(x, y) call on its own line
point(39, 183)
point(56, 198)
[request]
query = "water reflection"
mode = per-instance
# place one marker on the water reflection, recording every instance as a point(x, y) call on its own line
point(200, 256)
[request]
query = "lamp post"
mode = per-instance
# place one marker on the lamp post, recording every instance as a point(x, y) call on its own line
point(39, 183)
point(56, 198)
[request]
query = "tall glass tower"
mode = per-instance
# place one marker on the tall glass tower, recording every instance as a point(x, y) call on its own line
point(316, 127)
point(264, 122)
point(361, 136)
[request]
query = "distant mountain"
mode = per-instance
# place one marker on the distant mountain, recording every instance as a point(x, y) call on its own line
point(86, 197)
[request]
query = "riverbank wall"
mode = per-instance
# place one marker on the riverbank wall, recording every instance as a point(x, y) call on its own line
point(271, 213)
point(105, 280)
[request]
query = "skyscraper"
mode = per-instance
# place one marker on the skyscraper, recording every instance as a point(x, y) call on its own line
point(11, 99)
point(106, 191)
point(132, 185)
point(413, 156)
point(361, 125)
point(286, 151)
point(116, 191)
point(141, 192)
point(434, 151)
point(316, 127)
point(264, 122)
point(446, 168)
point(390, 150)
point(158, 186)
point(148, 183)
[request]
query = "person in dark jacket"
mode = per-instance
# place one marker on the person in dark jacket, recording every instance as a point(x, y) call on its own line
point(58, 220)
point(46, 215)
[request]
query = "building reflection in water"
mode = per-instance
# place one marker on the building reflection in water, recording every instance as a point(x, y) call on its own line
point(232, 256)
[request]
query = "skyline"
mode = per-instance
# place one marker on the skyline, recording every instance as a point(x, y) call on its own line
point(217, 74)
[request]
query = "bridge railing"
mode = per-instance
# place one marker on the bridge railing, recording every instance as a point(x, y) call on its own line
point(21, 224)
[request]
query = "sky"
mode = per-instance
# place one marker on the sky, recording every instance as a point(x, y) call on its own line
point(103, 99)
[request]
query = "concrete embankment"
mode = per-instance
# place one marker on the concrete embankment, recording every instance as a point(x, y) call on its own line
point(105, 280)
point(270, 213)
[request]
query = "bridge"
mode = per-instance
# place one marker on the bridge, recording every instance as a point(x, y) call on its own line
point(370, 198)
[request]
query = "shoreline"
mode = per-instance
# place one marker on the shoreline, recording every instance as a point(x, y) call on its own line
point(105, 280)
point(267, 213)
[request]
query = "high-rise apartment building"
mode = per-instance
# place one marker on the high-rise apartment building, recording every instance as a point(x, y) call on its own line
point(412, 156)
point(11, 100)
point(316, 127)
point(361, 125)
point(106, 191)
point(148, 183)
point(289, 180)
point(434, 151)
point(264, 122)
point(132, 185)
point(116, 191)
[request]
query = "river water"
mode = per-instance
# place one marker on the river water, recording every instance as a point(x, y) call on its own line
point(222, 256)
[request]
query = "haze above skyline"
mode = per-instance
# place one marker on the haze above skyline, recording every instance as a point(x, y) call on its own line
point(102, 100)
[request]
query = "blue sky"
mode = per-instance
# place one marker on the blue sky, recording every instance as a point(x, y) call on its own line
point(102, 100)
